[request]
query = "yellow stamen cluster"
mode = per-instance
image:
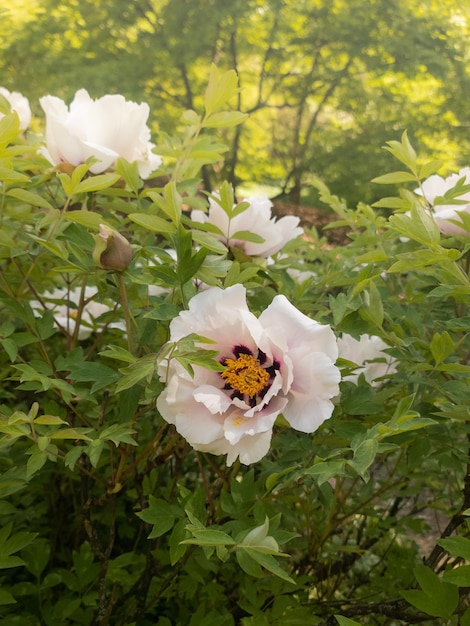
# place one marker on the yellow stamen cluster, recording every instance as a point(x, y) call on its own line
point(245, 375)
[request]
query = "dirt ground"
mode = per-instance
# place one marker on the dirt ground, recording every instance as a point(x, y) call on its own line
point(310, 216)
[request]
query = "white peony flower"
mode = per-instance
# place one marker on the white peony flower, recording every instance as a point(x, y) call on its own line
point(18, 103)
point(435, 186)
point(257, 218)
point(281, 362)
point(367, 353)
point(106, 128)
point(63, 304)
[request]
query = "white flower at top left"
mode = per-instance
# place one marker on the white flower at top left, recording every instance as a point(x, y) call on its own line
point(18, 103)
point(106, 128)
point(279, 362)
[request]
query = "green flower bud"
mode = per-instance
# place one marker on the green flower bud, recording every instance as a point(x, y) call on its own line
point(112, 250)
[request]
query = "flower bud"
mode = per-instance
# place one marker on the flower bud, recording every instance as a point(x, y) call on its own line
point(112, 250)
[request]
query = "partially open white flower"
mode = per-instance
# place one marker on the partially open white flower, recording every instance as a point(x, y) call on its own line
point(63, 304)
point(436, 186)
point(257, 219)
point(368, 353)
point(106, 128)
point(18, 103)
point(281, 362)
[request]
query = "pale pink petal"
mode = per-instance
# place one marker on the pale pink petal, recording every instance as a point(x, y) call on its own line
point(299, 330)
point(316, 382)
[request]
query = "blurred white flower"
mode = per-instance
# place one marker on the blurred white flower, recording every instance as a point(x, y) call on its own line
point(106, 128)
point(436, 186)
point(281, 362)
point(63, 304)
point(18, 103)
point(368, 353)
point(257, 219)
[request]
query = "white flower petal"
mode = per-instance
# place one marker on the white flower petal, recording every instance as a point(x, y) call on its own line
point(258, 219)
point(364, 351)
point(106, 128)
point(20, 104)
point(297, 353)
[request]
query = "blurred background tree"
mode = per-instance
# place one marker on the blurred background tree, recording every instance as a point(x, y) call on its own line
point(326, 82)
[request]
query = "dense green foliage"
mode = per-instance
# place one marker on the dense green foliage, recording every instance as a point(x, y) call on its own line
point(109, 517)
point(326, 82)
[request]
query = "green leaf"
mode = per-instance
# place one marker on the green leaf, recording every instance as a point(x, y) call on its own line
point(153, 223)
point(248, 564)
point(191, 118)
point(163, 311)
point(209, 537)
point(364, 456)
point(160, 515)
point(31, 198)
point(247, 235)
point(49, 420)
point(459, 576)
point(96, 183)
point(419, 225)
point(323, 471)
point(89, 219)
point(118, 353)
point(345, 621)
point(172, 204)
point(432, 167)
point(441, 347)
point(209, 241)
point(225, 119)
point(10, 176)
point(143, 368)
point(35, 463)
point(372, 307)
point(86, 371)
point(267, 561)
point(11, 544)
point(130, 173)
point(456, 546)
point(6, 597)
point(118, 433)
point(36, 556)
point(258, 538)
point(395, 178)
point(403, 151)
point(220, 89)
point(437, 598)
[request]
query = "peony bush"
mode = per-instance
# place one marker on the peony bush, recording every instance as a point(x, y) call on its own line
point(212, 417)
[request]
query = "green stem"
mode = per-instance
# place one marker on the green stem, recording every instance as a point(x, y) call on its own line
point(127, 312)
